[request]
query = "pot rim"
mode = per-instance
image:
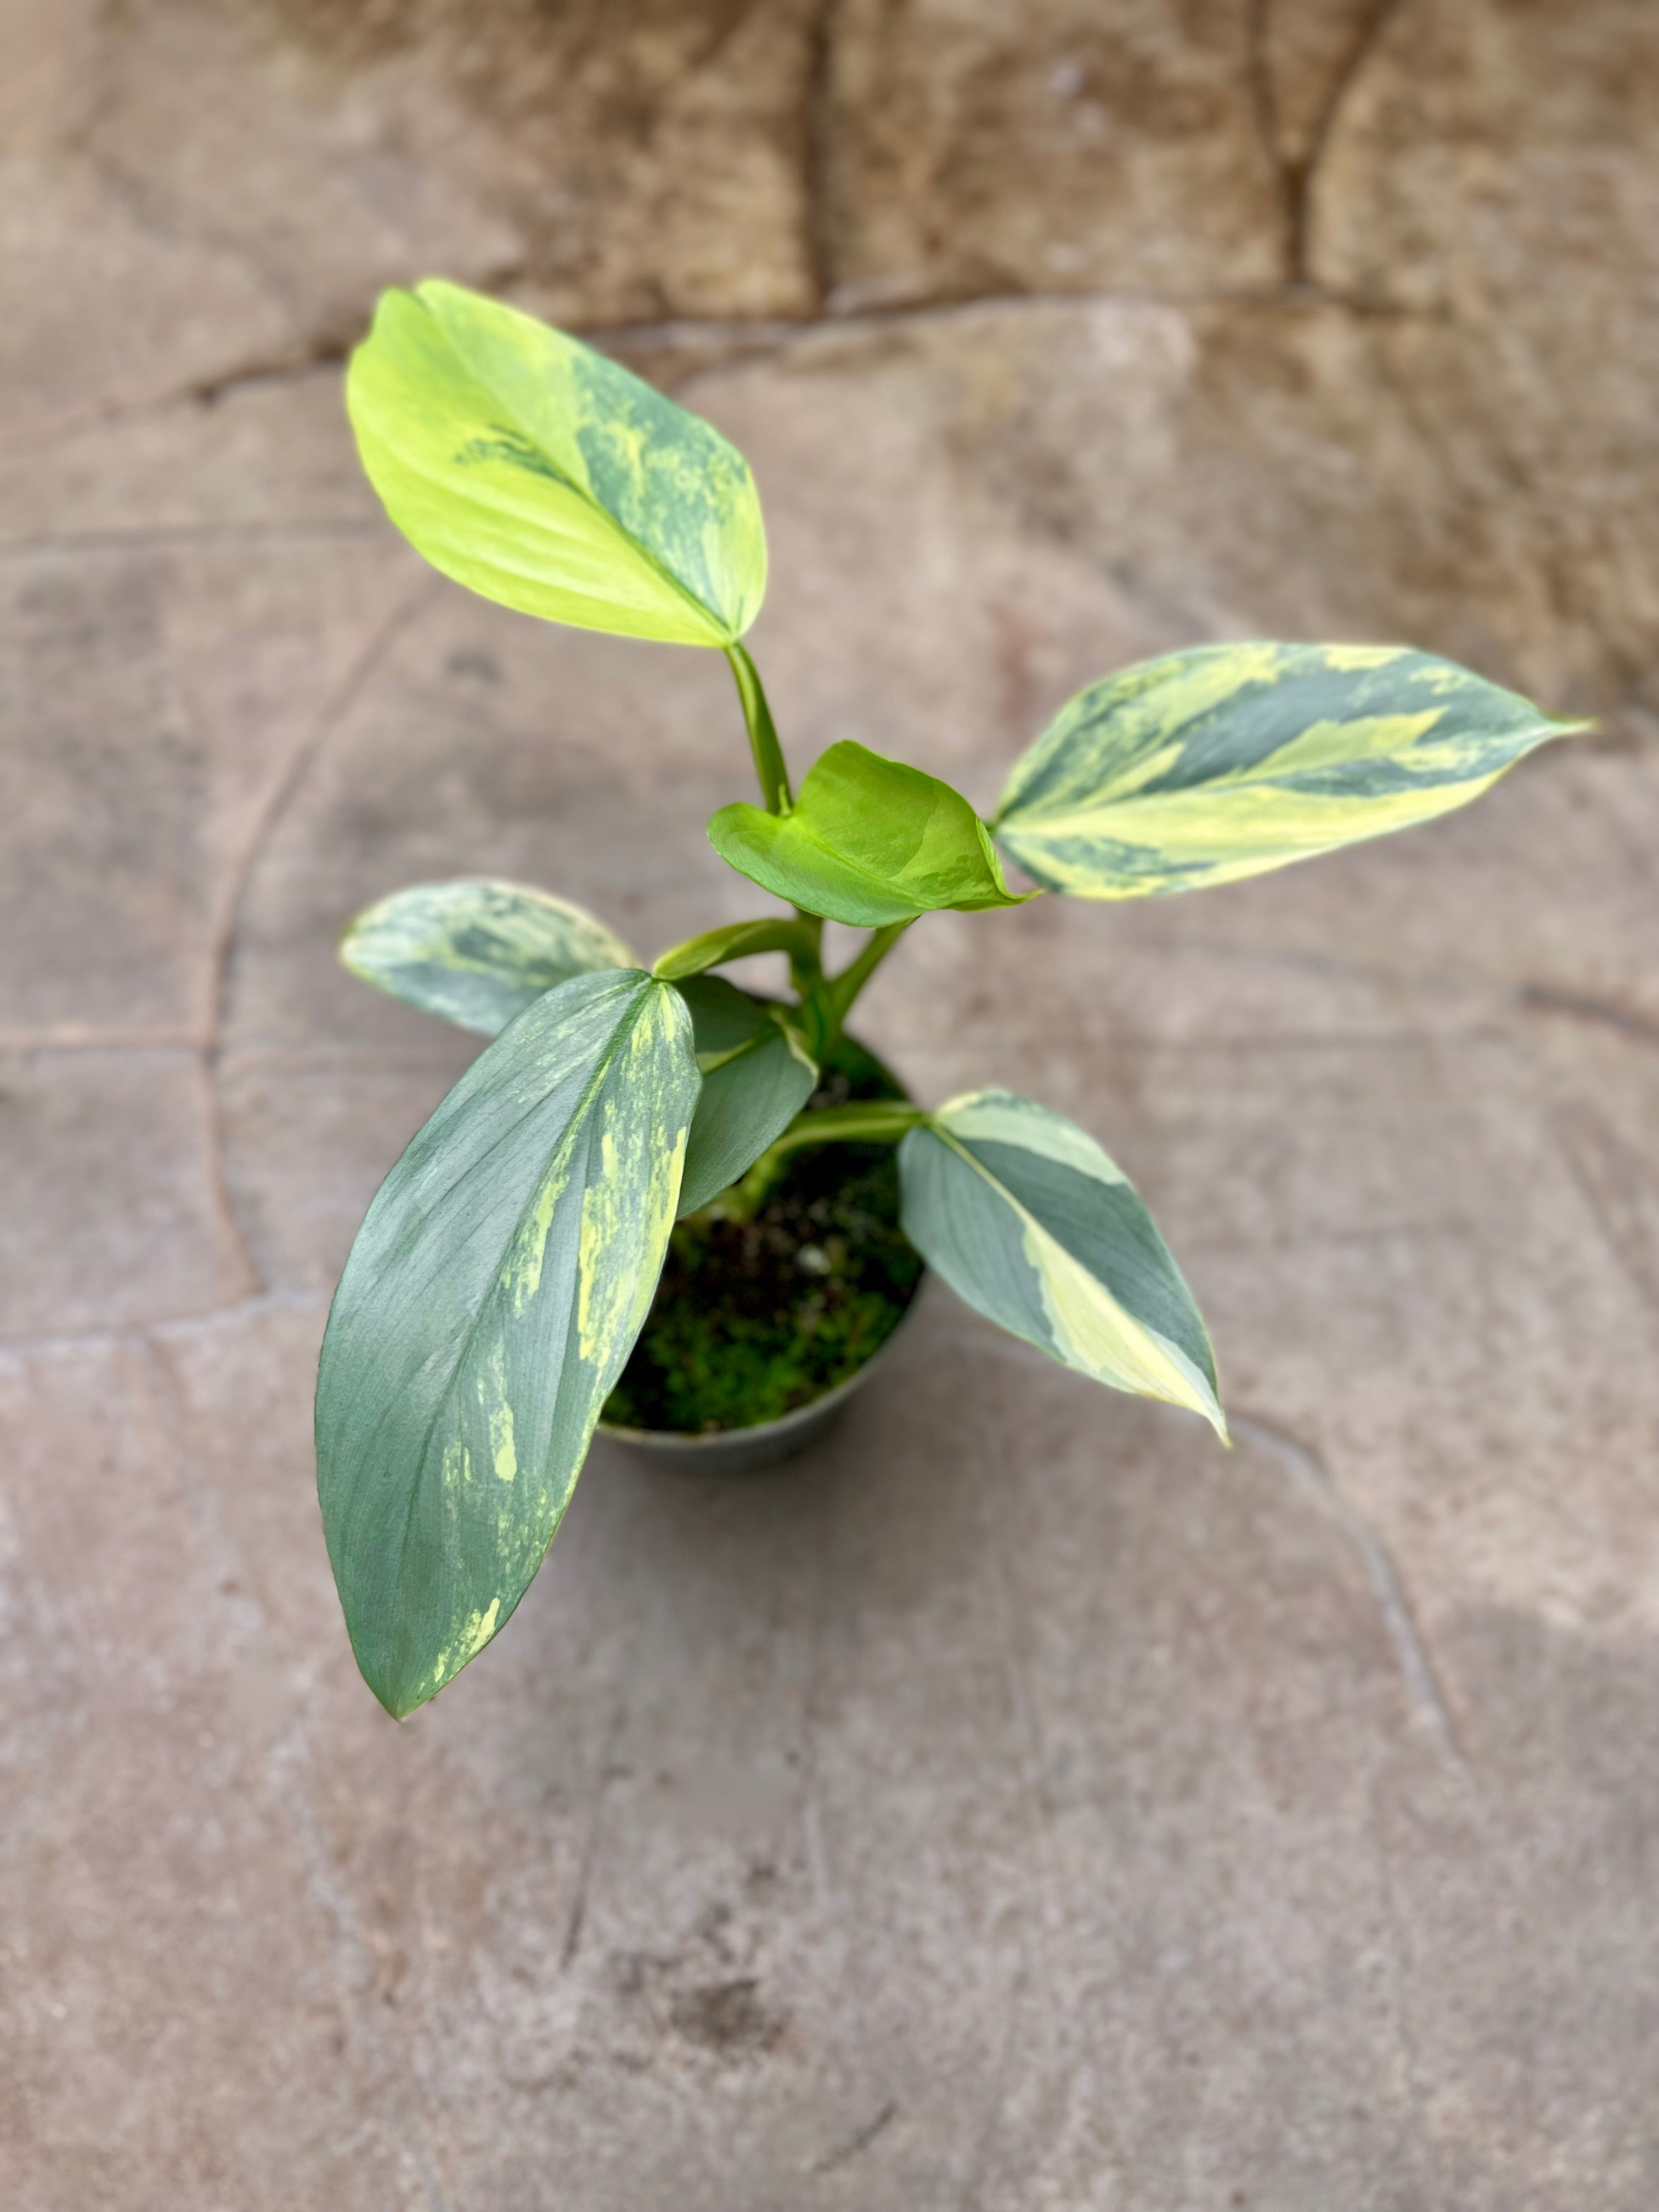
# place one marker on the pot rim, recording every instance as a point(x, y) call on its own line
point(689, 1442)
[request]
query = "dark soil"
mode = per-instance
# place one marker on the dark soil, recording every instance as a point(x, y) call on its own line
point(752, 1319)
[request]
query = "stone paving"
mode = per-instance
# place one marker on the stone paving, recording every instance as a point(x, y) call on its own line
point(1018, 1802)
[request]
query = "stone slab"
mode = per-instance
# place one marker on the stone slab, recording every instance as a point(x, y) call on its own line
point(1018, 1802)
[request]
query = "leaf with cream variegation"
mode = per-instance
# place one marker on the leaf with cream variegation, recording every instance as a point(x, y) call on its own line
point(1223, 761)
point(1027, 1219)
point(539, 473)
point(477, 952)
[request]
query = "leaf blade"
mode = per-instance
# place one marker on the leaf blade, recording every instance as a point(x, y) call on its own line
point(869, 841)
point(1226, 761)
point(476, 951)
point(549, 479)
point(1033, 1225)
point(488, 1303)
point(750, 1097)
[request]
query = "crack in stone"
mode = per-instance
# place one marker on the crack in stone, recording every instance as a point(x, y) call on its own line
point(1585, 1006)
point(817, 153)
point(858, 2141)
point(1297, 174)
point(226, 939)
point(1264, 108)
point(328, 349)
point(47, 1343)
point(183, 536)
point(77, 1037)
point(720, 340)
point(1311, 1476)
point(1613, 1182)
point(1411, 1653)
point(606, 1775)
point(1399, 1964)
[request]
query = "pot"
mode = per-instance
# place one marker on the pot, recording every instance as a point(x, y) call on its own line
point(764, 1444)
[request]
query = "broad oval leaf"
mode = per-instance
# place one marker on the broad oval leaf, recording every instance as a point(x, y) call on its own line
point(868, 842)
point(1223, 761)
point(1032, 1224)
point(477, 952)
point(749, 1096)
point(490, 1300)
point(536, 472)
point(735, 942)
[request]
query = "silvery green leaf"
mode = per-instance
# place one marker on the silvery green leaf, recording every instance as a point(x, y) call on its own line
point(749, 1095)
point(1030, 1223)
point(490, 1302)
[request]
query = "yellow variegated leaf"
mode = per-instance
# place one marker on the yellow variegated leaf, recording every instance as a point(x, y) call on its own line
point(490, 1300)
point(1229, 760)
point(1032, 1224)
point(539, 473)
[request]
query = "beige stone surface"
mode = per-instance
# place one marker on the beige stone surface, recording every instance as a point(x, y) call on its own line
point(1018, 1802)
point(1132, 130)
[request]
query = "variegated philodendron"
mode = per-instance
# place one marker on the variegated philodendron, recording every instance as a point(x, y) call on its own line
point(508, 1263)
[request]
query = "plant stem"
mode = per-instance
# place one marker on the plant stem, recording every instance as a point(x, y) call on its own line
point(845, 987)
point(870, 1121)
point(874, 1122)
point(806, 970)
point(763, 735)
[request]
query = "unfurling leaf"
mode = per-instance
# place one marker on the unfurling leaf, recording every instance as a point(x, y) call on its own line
point(477, 952)
point(868, 842)
point(1029, 1221)
point(1229, 760)
point(543, 476)
point(492, 1296)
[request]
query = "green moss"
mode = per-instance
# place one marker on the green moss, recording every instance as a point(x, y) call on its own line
point(754, 1318)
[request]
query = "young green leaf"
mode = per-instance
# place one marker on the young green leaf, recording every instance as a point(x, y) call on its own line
point(868, 842)
point(538, 472)
point(1029, 1221)
point(475, 952)
point(735, 942)
point(1228, 760)
point(748, 1097)
point(490, 1300)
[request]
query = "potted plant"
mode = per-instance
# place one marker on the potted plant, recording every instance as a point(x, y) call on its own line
point(498, 1300)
